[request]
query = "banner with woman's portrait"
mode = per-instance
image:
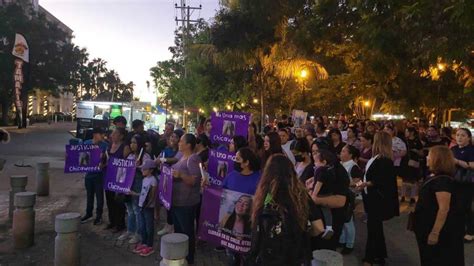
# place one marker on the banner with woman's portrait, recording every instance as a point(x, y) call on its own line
point(225, 221)
point(119, 175)
point(165, 187)
point(220, 164)
point(226, 125)
point(82, 158)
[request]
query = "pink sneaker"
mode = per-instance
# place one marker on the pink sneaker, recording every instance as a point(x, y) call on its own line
point(147, 252)
point(138, 248)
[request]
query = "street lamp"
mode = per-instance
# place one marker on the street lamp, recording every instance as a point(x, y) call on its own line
point(255, 100)
point(366, 103)
point(304, 73)
point(441, 67)
point(303, 76)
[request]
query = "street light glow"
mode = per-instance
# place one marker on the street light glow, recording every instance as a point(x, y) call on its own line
point(215, 109)
point(366, 103)
point(255, 100)
point(441, 66)
point(304, 73)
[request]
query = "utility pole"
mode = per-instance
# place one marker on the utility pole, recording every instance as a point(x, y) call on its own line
point(186, 11)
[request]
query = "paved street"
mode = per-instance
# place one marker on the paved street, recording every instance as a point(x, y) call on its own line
point(98, 247)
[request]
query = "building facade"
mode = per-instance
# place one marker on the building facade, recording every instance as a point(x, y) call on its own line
point(43, 102)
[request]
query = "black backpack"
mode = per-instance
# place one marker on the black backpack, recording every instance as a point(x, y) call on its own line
point(278, 240)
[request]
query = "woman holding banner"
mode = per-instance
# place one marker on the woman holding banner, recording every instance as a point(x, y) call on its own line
point(137, 147)
point(170, 155)
point(186, 191)
point(281, 214)
point(115, 205)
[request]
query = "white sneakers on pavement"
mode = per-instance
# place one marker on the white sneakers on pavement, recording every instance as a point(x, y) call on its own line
point(168, 229)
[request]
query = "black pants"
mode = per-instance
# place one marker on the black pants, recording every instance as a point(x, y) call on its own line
point(448, 251)
point(375, 248)
point(465, 196)
point(198, 213)
point(116, 210)
point(94, 187)
point(183, 219)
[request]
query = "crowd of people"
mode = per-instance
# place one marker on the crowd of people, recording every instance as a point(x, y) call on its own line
point(306, 182)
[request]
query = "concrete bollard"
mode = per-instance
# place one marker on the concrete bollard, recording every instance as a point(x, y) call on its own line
point(66, 243)
point(326, 257)
point(174, 249)
point(24, 220)
point(42, 179)
point(18, 184)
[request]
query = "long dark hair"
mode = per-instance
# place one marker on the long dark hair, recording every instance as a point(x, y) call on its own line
point(275, 143)
point(275, 147)
point(280, 181)
point(248, 155)
point(229, 224)
point(334, 131)
point(140, 145)
point(239, 142)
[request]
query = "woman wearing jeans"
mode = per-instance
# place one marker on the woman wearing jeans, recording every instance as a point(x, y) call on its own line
point(186, 191)
point(349, 156)
point(137, 146)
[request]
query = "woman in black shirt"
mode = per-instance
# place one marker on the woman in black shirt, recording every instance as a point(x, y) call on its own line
point(410, 165)
point(335, 140)
point(438, 229)
point(380, 197)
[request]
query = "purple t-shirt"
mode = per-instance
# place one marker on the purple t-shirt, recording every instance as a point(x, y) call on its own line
point(183, 194)
point(242, 183)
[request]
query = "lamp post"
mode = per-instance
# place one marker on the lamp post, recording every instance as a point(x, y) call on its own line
point(303, 76)
point(366, 105)
point(441, 68)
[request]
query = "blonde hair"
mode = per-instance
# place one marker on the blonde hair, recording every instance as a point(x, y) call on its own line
point(441, 160)
point(382, 145)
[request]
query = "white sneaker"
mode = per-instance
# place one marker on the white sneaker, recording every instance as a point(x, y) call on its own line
point(124, 236)
point(328, 233)
point(135, 239)
point(168, 229)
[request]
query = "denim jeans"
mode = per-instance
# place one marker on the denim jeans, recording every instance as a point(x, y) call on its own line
point(133, 217)
point(94, 187)
point(147, 225)
point(348, 234)
point(183, 219)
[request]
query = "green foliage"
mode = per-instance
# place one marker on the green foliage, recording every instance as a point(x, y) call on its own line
point(385, 52)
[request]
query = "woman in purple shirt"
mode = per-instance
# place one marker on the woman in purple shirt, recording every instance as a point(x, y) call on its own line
point(186, 191)
point(245, 177)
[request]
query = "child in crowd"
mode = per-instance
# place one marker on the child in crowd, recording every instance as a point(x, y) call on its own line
point(324, 175)
point(146, 203)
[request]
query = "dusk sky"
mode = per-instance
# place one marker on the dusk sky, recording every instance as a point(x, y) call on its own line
point(131, 35)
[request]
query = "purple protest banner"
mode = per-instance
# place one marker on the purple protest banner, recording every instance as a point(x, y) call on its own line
point(165, 188)
point(225, 125)
point(220, 164)
point(120, 175)
point(82, 158)
point(221, 220)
